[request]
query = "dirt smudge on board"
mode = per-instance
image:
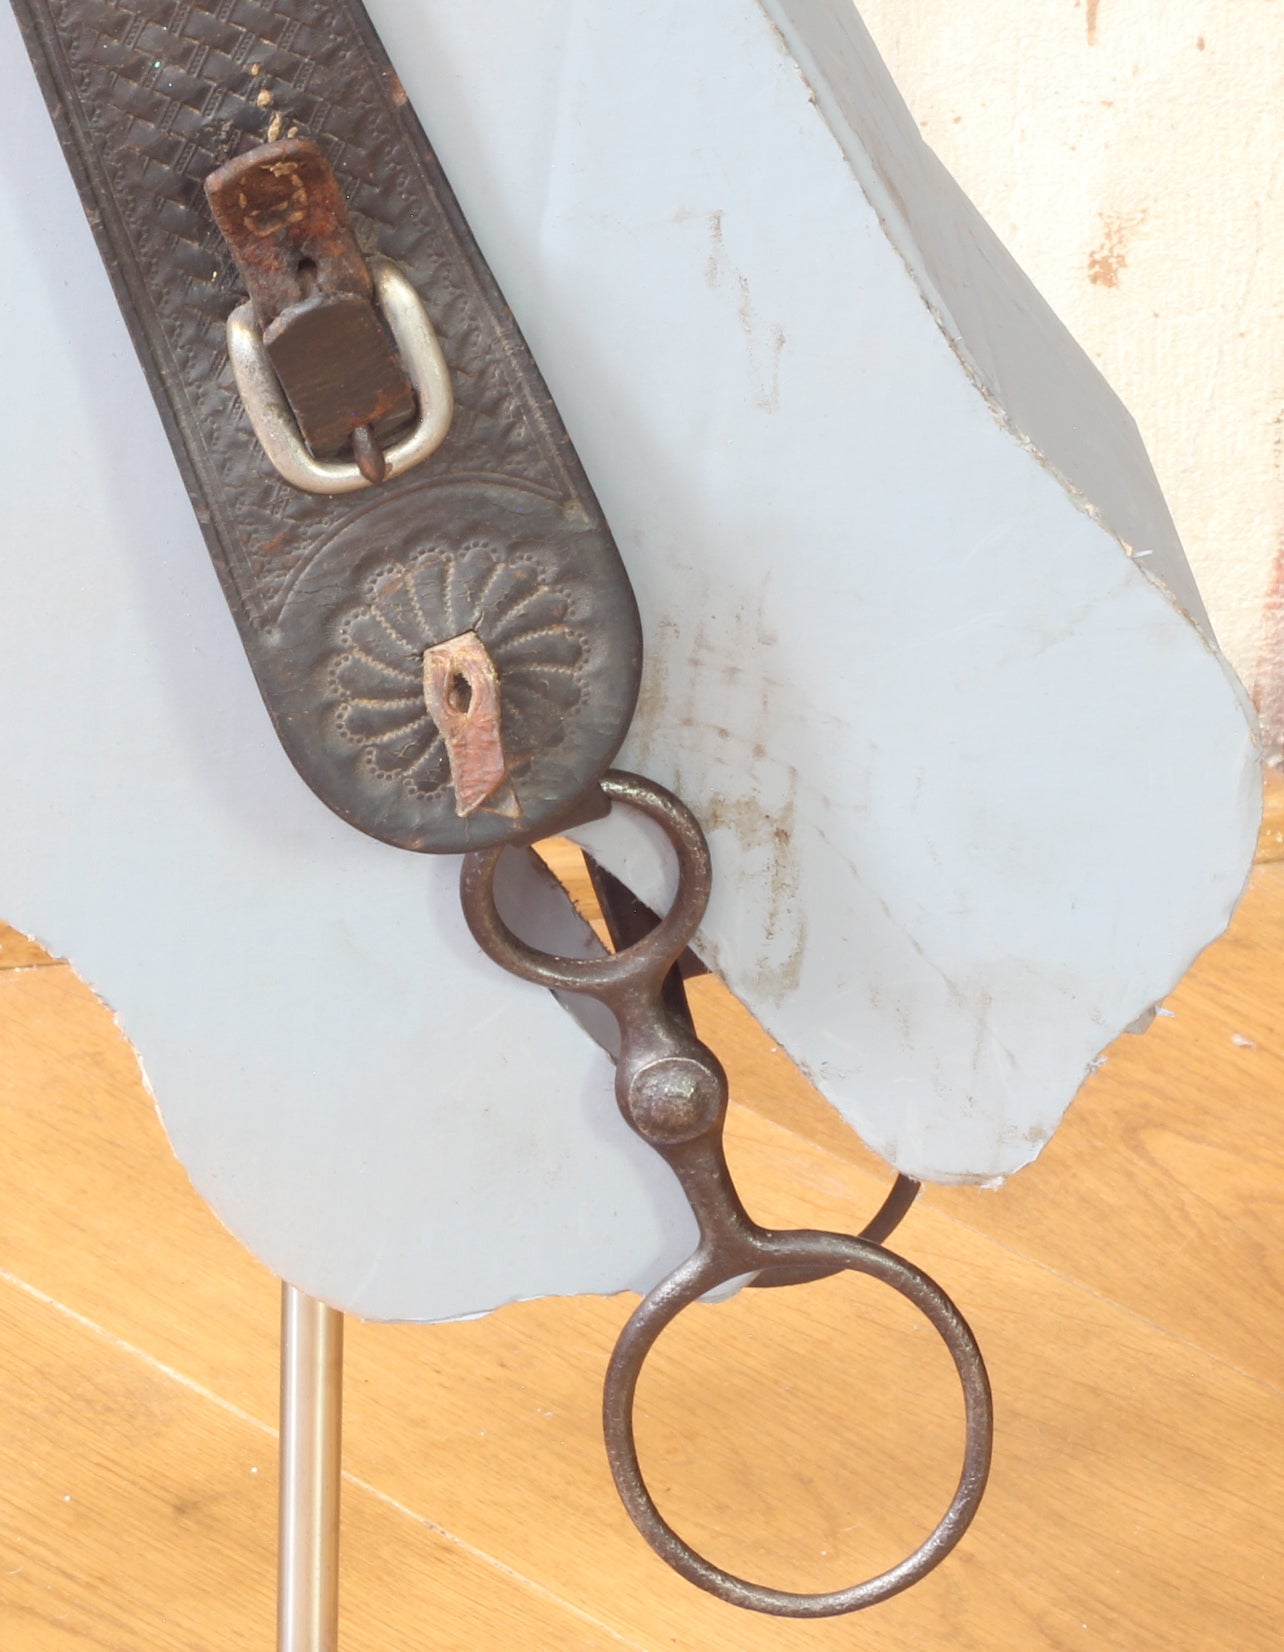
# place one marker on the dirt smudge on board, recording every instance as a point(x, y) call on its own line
point(765, 841)
point(1108, 260)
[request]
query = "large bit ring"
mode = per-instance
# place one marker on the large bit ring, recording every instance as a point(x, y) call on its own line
point(830, 1252)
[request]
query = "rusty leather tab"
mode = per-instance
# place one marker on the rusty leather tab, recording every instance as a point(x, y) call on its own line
point(280, 206)
point(339, 597)
point(462, 693)
point(282, 214)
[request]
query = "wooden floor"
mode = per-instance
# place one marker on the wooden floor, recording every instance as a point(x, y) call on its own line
point(1128, 1291)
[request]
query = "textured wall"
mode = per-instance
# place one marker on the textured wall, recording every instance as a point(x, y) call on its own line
point(1130, 153)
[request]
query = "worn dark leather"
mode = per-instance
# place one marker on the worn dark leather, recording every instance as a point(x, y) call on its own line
point(337, 598)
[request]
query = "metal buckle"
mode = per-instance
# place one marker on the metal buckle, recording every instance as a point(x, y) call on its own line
point(275, 425)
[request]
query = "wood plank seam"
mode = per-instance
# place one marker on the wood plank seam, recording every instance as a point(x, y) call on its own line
point(359, 1484)
point(1274, 1389)
point(936, 1199)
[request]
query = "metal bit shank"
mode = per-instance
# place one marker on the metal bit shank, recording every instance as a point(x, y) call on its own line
point(673, 1091)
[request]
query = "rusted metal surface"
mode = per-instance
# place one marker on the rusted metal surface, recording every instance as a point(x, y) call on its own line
point(628, 921)
point(282, 214)
point(672, 1090)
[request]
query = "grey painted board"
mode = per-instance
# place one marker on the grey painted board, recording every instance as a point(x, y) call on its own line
point(977, 785)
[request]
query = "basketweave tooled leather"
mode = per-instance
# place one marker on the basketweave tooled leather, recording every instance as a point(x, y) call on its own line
point(337, 598)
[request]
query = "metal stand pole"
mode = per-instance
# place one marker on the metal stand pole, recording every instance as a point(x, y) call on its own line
point(307, 1614)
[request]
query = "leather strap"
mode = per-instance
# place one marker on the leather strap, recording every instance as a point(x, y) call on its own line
point(338, 599)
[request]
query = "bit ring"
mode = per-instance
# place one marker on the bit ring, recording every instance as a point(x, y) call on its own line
point(646, 960)
point(801, 1250)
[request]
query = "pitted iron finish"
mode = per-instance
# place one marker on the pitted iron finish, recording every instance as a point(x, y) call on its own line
point(672, 1090)
point(674, 1099)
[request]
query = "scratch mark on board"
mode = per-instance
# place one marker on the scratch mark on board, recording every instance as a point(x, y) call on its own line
point(1094, 6)
point(764, 341)
point(764, 350)
point(716, 260)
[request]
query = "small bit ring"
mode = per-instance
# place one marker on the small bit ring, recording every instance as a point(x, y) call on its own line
point(647, 959)
point(837, 1252)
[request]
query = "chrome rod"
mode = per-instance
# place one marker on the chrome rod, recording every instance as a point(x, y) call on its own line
point(307, 1614)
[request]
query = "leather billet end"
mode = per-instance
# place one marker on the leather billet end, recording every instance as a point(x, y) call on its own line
point(281, 211)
